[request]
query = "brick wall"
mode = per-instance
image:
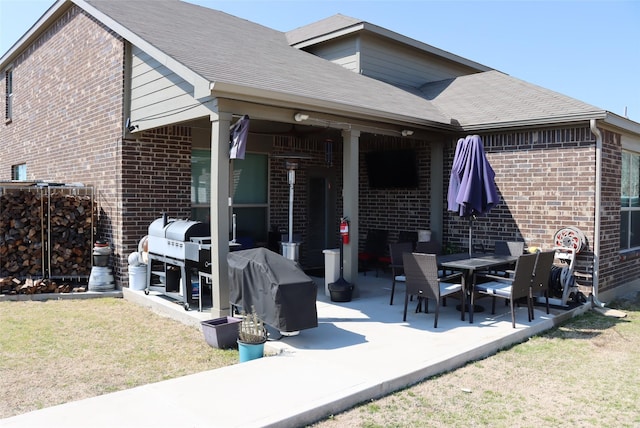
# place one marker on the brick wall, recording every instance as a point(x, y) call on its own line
point(395, 210)
point(546, 180)
point(67, 110)
point(615, 269)
point(279, 185)
point(156, 178)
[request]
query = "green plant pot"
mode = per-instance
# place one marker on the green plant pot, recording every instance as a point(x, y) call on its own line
point(250, 351)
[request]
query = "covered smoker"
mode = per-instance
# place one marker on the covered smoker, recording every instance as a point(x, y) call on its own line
point(284, 297)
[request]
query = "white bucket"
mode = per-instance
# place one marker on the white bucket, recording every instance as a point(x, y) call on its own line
point(138, 277)
point(424, 235)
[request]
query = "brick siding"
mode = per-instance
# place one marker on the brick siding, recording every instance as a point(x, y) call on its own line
point(67, 110)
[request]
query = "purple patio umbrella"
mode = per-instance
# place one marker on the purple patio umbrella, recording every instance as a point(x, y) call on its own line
point(472, 187)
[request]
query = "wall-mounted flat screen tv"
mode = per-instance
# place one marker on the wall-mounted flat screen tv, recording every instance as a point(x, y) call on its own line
point(392, 169)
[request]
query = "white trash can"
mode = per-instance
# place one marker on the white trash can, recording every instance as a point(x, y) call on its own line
point(424, 235)
point(331, 268)
point(138, 277)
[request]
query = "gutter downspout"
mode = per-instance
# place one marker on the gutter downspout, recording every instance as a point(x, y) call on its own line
point(598, 215)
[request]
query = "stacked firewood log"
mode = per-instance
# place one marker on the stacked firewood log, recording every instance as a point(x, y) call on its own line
point(14, 286)
point(21, 232)
point(70, 222)
point(45, 233)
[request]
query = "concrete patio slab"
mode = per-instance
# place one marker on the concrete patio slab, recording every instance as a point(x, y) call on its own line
point(359, 351)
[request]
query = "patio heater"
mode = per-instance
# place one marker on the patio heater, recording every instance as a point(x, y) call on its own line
point(290, 249)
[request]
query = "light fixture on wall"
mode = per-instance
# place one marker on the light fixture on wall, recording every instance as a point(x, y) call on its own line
point(300, 117)
point(129, 126)
point(406, 133)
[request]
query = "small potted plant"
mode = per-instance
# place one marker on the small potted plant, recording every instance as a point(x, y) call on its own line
point(251, 336)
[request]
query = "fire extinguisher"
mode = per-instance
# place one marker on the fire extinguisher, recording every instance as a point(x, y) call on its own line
point(344, 230)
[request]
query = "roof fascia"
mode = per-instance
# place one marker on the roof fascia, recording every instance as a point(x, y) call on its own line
point(200, 84)
point(604, 117)
point(279, 99)
point(598, 115)
point(622, 123)
point(352, 29)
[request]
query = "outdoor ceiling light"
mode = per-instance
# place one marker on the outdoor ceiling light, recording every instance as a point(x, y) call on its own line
point(407, 132)
point(299, 117)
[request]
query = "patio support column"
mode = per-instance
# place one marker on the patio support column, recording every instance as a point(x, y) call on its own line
point(437, 193)
point(350, 176)
point(219, 214)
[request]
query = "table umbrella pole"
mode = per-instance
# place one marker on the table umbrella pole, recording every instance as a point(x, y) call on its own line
point(470, 238)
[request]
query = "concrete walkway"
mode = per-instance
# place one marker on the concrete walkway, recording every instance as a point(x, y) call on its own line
point(360, 350)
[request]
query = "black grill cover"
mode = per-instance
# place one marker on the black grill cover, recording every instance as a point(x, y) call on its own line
point(284, 296)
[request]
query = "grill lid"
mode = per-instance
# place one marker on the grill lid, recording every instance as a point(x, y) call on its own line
point(179, 230)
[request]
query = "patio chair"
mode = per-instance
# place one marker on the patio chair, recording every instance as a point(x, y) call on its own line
point(512, 288)
point(421, 272)
point(507, 248)
point(408, 236)
point(478, 248)
point(541, 274)
point(428, 247)
point(397, 267)
point(375, 247)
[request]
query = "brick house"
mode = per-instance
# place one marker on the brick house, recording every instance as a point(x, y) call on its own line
point(141, 110)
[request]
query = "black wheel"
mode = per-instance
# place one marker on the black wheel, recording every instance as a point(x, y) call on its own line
point(146, 292)
point(186, 307)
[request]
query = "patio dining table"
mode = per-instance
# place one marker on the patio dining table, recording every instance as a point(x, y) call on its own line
point(468, 265)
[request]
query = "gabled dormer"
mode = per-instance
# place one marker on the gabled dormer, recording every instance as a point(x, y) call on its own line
point(379, 53)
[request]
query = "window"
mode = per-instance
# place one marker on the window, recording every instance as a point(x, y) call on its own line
point(250, 196)
point(630, 201)
point(200, 184)
point(249, 192)
point(19, 172)
point(8, 107)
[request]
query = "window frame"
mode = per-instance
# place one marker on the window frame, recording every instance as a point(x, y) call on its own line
point(201, 205)
point(9, 95)
point(19, 172)
point(629, 190)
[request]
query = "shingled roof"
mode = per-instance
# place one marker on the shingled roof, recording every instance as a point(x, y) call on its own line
point(493, 99)
point(223, 49)
point(226, 49)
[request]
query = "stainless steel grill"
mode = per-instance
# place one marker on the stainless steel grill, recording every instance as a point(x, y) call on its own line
point(178, 244)
point(172, 238)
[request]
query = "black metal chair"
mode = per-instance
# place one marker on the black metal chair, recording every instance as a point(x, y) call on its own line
point(421, 272)
point(375, 247)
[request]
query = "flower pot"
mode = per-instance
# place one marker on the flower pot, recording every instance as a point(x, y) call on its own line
point(250, 351)
point(221, 333)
